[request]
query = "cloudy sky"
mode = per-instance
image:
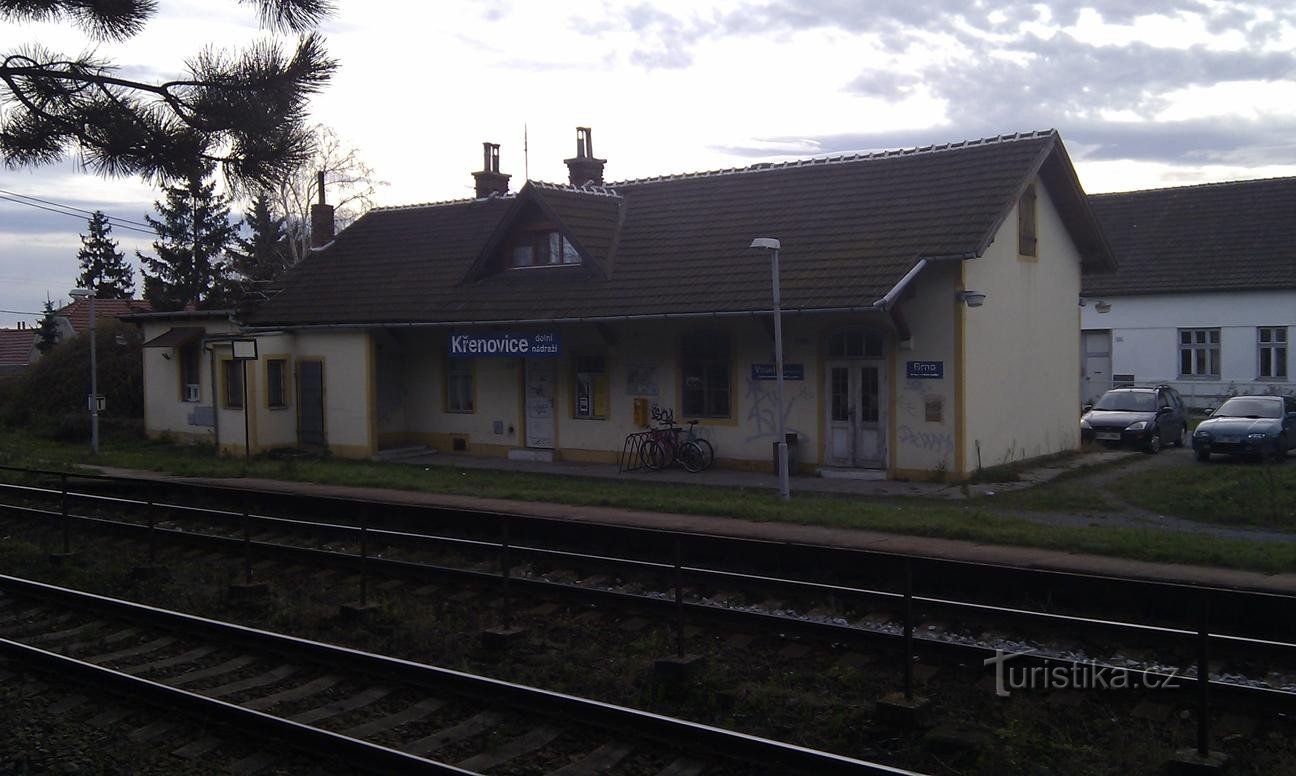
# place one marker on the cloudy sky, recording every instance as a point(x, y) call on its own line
point(1175, 92)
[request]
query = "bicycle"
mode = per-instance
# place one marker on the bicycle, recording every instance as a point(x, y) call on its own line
point(665, 447)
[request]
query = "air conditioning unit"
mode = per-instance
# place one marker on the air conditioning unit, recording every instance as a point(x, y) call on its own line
point(191, 392)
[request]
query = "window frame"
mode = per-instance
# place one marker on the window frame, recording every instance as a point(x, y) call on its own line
point(723, 354)
point(554, 243)
point(1028, 224)
point(1211, 346)
point(231, 400)
point(604, 388)
point(185, 354)
point(284, 393)
point(460, 368)
point(1277, 349)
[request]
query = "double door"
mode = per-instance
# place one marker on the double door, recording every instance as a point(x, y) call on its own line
point(856, 414)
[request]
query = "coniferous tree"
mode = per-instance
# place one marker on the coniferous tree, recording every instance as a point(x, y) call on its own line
point(245, 112)
point(264, 254)
point(47, 333)
point(103, 267)
point(193, 233)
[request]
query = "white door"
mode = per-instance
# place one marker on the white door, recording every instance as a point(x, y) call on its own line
point(1095, 367)
point(856, 414)
point(540, 374)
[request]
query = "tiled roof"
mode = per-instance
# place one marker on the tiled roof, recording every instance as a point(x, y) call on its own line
point(16, 346)
point(851, 227)
point(78, 313)
point(1214, 237)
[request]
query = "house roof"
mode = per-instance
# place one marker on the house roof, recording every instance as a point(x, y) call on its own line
point(1215, 237)
point(78, 313)
point(851, 228)
point(176, 337)
point(16, 346)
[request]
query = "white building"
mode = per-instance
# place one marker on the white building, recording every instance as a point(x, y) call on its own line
point(1205, 297)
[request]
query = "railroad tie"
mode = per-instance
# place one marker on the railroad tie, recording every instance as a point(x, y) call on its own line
point(112, 638)
point(414, 713)
point(46, 638)
point(684, 766)
point(337, 708)
point(313, 687)
point(229, 666)
point(196, 749)
point(107, 719)
point(191, 656)
point(601, 760)
point(473, 726)
point(254, 763)
point(513, 748)
point(142, 649)
point(151, 731)
point(273, 676)
point(67, 704)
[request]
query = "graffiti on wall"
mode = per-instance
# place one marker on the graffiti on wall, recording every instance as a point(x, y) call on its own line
point(932, 441)
point(762, 399)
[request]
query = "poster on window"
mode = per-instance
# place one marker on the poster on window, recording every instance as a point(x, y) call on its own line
point(641, 379)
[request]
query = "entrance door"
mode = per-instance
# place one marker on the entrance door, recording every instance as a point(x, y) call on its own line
point(310, 403)
point(540, 373)
point(856, 415)
point(1095, 366)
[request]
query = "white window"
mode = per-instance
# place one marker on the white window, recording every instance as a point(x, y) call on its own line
point(539, 249)
point(1199, 352)
point(1271, 345)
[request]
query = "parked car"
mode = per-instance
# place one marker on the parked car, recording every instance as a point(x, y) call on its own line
point(1248, 425)
point(1146, 418)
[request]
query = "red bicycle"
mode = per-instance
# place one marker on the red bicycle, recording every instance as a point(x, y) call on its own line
point(665, 446)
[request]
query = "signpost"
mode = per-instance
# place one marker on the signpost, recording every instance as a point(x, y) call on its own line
point(245, 350)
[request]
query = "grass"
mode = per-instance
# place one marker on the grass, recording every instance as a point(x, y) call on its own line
point(982, 520)
point(1232, 492)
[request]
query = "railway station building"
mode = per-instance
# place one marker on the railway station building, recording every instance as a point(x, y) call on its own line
point(929, 307)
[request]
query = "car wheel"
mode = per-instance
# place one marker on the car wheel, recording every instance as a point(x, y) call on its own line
point(1203, 455)
point(1154, 444)
point(1183, 436)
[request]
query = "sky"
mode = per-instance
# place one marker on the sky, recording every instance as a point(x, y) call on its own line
point(1146, 95)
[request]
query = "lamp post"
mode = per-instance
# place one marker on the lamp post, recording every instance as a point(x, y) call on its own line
point(773, 246)
point(88, 293)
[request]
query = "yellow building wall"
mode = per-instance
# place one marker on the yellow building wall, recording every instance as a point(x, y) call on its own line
point(1021, 348)
point(165, 412)
point(924, 425)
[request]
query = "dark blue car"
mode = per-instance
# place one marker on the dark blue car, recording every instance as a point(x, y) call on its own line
point(1259, 426)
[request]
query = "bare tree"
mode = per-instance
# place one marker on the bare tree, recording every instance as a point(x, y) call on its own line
point(244, 112)
point(349, 185)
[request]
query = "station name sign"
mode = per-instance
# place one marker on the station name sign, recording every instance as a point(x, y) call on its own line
point(925, 370)
point(501, 344)
point(770, 372)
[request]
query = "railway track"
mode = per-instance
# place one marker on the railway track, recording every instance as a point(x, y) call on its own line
point(369, 711)
point(513, 555)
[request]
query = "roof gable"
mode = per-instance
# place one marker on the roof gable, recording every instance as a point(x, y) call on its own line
point(1233, 236)
point(587, 217)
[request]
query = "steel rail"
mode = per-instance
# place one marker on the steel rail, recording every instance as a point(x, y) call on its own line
point(311, 740)
point(701, 612)
point(676, 732)
point(695, 572)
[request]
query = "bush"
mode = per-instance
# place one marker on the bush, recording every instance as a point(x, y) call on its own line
point(49, 397)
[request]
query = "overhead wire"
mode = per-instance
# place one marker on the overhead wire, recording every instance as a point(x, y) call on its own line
point(54, 207)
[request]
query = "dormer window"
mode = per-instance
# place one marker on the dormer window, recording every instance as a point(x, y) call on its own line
point(542, 249)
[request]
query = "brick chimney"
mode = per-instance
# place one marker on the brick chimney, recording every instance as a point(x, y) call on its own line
point(321, 215)
point(584, 168)
point(490, 180)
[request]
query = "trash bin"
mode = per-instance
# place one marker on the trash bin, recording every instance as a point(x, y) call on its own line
point(794, 453)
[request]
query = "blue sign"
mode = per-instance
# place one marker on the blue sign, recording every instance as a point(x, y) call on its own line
point(925, 370)
point(505, 345)
point(768, 372)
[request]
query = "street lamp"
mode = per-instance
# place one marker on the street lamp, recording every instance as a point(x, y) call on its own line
point(773, 246)
point(87, 293)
